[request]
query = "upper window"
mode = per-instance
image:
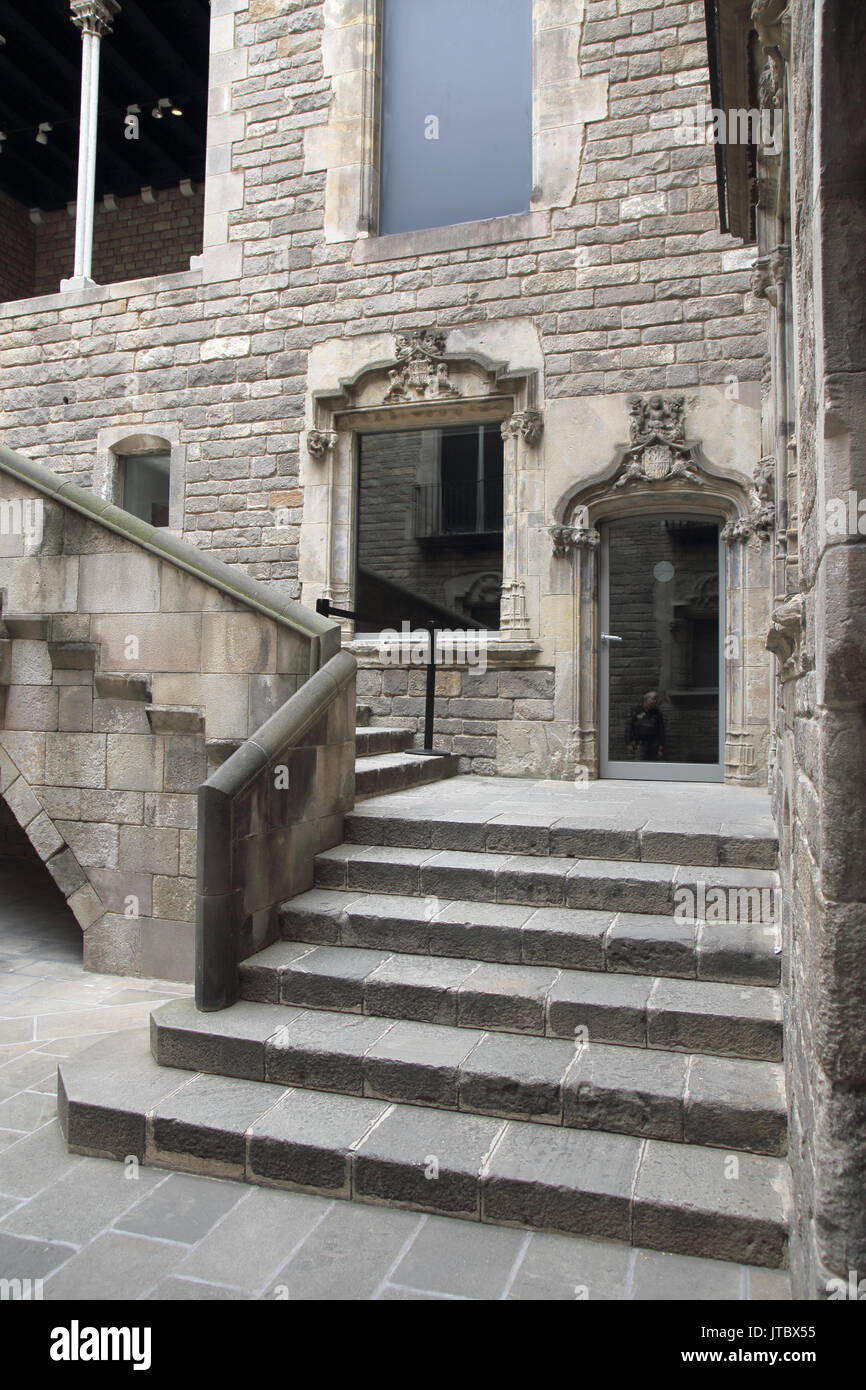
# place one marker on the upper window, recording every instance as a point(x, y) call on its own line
point(145, 480)
point(456, 112)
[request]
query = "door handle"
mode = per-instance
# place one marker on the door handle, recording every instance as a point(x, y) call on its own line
point(606, 637)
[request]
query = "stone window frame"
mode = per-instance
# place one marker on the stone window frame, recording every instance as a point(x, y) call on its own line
point(578, 515)
point(346, 146)
point(117, 442)
point(329, 556)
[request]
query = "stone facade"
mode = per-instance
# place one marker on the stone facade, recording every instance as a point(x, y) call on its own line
point(616, 281)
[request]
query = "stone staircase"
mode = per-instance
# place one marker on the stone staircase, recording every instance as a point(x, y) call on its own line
point(500, 1019)
point(385, 761)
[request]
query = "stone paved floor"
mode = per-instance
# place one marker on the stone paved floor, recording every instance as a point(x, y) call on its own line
point(90, 1229)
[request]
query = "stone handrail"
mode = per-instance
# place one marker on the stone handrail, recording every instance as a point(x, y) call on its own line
point(262, 816)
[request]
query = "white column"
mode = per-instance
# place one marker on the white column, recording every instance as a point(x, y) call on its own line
point(94, 18)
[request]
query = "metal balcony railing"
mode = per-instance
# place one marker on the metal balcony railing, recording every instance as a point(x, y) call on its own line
point(459, 509)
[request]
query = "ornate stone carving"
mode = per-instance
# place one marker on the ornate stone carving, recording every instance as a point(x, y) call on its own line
point(658, 444)
point(526, 423)
point(94, 16)
point(319, 442)
point(762, 285)
point(785, 639)
point(740, 530)
point(772, 20)
point(513, 612)
point(772, 85)
point(568, 538)
point(764, 498)
point(422, 372)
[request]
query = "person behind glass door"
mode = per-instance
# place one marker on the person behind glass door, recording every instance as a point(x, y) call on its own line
point(646, 729)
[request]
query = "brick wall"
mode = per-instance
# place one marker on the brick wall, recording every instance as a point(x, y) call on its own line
point(135, 240)
point(18, 240)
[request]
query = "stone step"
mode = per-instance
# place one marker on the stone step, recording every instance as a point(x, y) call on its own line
point(683, 1098)
point(693, 891)
point(513, 933)
point(391, 772)
point(363, 715)
point(635, 1010)
point(115, 1101)
point(370, 742)
point(632, 836)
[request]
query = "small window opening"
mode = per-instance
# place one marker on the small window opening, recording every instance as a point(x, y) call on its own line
point(145, 483)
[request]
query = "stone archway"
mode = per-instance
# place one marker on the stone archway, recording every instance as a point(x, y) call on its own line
point(662, 471)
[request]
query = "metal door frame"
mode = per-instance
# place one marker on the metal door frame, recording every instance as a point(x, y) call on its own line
point(663, 771)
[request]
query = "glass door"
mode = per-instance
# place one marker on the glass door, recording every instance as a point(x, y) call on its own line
point(661, 649)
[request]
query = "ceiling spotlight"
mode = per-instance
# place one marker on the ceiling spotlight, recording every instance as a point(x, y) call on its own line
point(177, 111)
point(42, 132)
point(163, 105)
point(36, 216)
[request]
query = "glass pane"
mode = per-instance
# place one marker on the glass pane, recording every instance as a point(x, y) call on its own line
point(664, 674)
point(430, 527)
point(456, 112)
point(146, 481)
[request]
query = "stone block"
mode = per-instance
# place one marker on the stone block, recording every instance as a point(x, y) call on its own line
point(44, 837)
point(75, 760)
point(168, 949)
point(32, 707)
point(93, 844)
point(508, 998)
point(110, 584)
point(610, 1008)
point(123, 892)
point(626, 1091)
point(31, 663)
point(169, 809)
point(323, 1051)
point(27, 751)
point(419, 1063)
point(149, 642)
point(113, 946)
point(148, 849)
point(429, 1159)
point(238, 643)
point(135, 762)
point(75, 713)
point(22, 802)
point(174, 898)
point(307, 1140)
point(185, 763)
point(516, 1076)
point(118, 807)
point(120, 717)
point(565, 937)
point(86, 905)
point(67, 873)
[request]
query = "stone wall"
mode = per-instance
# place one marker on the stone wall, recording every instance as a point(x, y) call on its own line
point(128, 670)
point(18, 239)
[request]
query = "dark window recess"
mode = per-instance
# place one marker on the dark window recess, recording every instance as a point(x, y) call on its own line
point(456, 112)
point(145, 482)
point(429, 526)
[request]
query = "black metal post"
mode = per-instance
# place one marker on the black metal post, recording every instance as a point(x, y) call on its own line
point(430, 707)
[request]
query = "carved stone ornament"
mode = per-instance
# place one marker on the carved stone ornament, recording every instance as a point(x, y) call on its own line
point(772, 84)
point(94, 16)
point(319, 442)
point(764, 498)
point(526, 423)
point(785, 639)
point(772, 20)
point(658, 443)
point(421, 373)
point(568, 538)
point(742, 530)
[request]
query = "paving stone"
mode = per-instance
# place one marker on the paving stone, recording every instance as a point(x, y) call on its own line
point(479, 930)
point(612, 1008)
point(418, 1062)
point(562, 1179)
point(678, 847)
point(330, 977)
point(522, 879)
point(423, 988)
point(640, 888)
point(733, 1020)
point(651, 945)
point(82, 1202)
point(30, 1259)
point(429, 1159)
point(194, 1291)
point(305, 1141)
point(659, 1277)
point(525, 836)
point(565, 937)
point(182, 1208)
point(230, 1042)
point(114, 1267)
point(104, 1095)
point(325, 1050)
point(460, 1259)
point(252, 1242)
point(738, 954)
point(510, 997)
point(699, 1201)
point(568, 1268)
point(626, 1090)
point(348, 1254)
point(506, 1075)
point(736, 1103)
point(202, 1126)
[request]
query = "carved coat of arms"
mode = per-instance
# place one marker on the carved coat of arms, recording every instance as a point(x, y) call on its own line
point(658, 442)
point(421, 373)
